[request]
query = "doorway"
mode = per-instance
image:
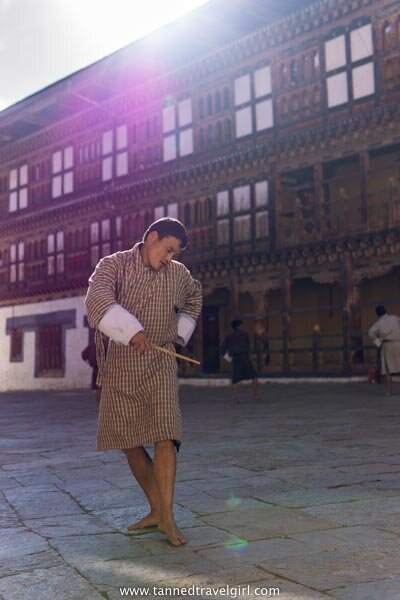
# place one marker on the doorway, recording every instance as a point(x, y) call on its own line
point(211, 339)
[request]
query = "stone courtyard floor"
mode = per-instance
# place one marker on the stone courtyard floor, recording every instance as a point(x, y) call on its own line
point(296, 494)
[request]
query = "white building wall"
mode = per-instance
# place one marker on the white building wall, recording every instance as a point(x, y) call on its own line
point(20, 375)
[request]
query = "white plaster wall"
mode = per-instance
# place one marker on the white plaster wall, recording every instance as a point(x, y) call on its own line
point(20, 375)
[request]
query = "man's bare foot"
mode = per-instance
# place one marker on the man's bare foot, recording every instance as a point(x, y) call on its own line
point(150, 520)
point(174, 535)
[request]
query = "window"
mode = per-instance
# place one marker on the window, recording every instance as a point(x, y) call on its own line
point(241, 198)
point(241, 228)
point(242, 203)
point(55, 253)
point(261, 203)
point(218, 102)
point(202, 111)
point(16, 346)
point(223, 232)
point(50, 350)
point(253, 102)
point(223, 203)
point(62, 172)
point(249, 213)
point(114, 152)
point(262, 229)
point(227, 98)
point(17, 262)
point(100, 238)
point(350, 72)
point(261, 194)
point(118, 232)
point(173, 210)
point(219, 132)
point(159, 212)
point(177, 130)
point(209, 105)
point(94, 244)
point(18, 187)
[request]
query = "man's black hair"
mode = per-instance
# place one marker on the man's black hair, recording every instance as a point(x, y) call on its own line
point(380, 310)
point(167, 226)
point(235, 323)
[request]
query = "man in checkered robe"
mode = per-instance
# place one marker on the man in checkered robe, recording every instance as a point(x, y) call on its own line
point(138, 298)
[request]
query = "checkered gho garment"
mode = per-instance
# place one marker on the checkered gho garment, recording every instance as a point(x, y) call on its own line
point(139, 399)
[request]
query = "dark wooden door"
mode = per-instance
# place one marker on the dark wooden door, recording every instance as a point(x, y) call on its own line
point(211, 342)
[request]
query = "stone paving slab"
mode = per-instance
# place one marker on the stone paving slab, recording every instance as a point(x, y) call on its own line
point(41, 503)
point(145, 570)
point(203, 504)
point(316, 496)
point(267, 522)
point(357, 513)
point(8, 516)
point(384, 588)
point(61, 526)
point(359, 537)
point(252, 577)
point(299, 491)
point(250, 553)
point(108, 546)
point(47, 584)
point(329, 570)
point(14, 565)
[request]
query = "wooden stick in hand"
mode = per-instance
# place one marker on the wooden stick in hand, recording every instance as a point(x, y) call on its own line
point(172, 353)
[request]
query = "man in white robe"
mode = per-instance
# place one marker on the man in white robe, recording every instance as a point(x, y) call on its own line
point(386, 335)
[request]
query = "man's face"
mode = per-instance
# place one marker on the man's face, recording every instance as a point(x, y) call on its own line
point(159, 253)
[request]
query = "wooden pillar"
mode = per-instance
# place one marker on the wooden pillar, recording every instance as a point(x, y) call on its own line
point(234, 299)
point(319, 200)
point(364, 168)
point(261, 326)
point(286, 319)
point(198, 344)
point(345, 318)
point(278, 210)
point(272, 215)
point(393, 204)
point(356, 338)
point(352, 327)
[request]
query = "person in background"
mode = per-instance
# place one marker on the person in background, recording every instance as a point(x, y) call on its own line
point(237, 345)
point(89, 356)
point(386, 334)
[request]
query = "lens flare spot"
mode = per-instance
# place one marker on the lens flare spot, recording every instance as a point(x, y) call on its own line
point(169, 101)
point(236, 544)
point(233, 501)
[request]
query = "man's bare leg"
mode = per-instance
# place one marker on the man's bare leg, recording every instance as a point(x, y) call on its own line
point(164, 475)
point(142, 469)
point(254, 385)
point(235, 392)
point(388, 385)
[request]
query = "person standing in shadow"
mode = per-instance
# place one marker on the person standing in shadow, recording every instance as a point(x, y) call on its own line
point(89, 356)
point(237, 346)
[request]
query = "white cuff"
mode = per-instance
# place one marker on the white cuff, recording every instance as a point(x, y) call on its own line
point(186, 327)
point(119, 325)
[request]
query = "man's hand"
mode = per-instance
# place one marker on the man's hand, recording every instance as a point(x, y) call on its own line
point(140, 342)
